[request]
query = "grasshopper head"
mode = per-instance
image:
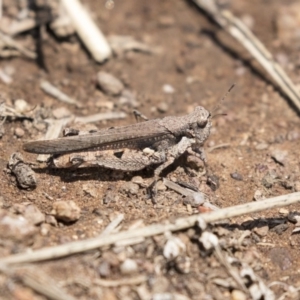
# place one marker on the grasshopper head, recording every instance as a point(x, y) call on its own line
point(201, 124)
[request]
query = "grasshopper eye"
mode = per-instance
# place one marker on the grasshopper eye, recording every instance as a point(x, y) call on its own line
point(202, 124)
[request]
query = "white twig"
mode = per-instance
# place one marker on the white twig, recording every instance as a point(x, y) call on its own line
point(126, 281)
point(54, 129)
point(9, 42)
point(112, 225)
point(53, 91)
point(87, 30)
point(151, 230)
point(236, 28)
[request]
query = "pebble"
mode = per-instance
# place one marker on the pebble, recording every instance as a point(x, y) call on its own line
point(262, 231)
point(280, 229)
point(168, 89)
point(109, 84)
point(61, 112)
point(261, 146)
point(129, 266)
point(160, 186)
point(138, 180)
point(162, 107)
point(30, 212)
point(236, 176)
point(67, 211)
point(283, 211)
point(166, 21)
point(15, 227)
point(104, 269)
point(281, 257)
point(183, 264)
point(90, 190)
point(45, 228)
point(128, 98)
point(279, 156)
point(173, 247)
point(130, 188)
point(269, 179)
point(238, 295)
point(21, 105)
point(49, 219)
point(297, 186)
point(258, 195)
point(19, 132)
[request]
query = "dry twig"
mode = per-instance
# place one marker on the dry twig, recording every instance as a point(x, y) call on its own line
point(151, 230)
point(88, 31)
point(236, 28)
point(51, 90)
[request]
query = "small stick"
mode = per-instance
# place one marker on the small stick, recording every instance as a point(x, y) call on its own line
point(151, 230)
point(112, 225)
point(88, 31)
point(126, 281)
point(54, 129)
point(236, 28)
point(183, 191)
point(9, 42)
point(224, 145)
point(51, 90)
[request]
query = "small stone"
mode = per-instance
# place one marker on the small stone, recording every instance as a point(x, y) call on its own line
point(280, 229)
point(293, 135)
point(138, 180)
point(297, 186)
point(281, 257)
point(162, 107)
point(236, 176)
point(262, 146)
point(15, 227)
point(238, 295)
point(30, 212)
point(104, 269)
point(183, 264)
point(166, 21)
point(45, 228)
point(129, 266)
point(67, 211)
point(109, 83)
point(61, 112)
point(262, 231)
point(258, 195)
point(160, 186)
point(269, 179)
point(21, 105)
point(128, 98)
point(283, 211)
point(90, 190)
point(279, 156)
point(130, 188)
point(168, 89)
point(19, 132)
point(49, 219)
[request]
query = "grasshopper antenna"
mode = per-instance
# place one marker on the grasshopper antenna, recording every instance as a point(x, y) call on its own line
point(221, 101)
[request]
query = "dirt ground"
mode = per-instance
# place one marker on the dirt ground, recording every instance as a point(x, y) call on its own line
point(253, 151)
